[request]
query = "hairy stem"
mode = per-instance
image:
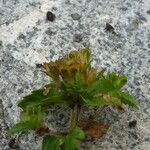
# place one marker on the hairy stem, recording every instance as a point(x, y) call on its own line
point(46, 131)
point(97, 112)
point(75, 116)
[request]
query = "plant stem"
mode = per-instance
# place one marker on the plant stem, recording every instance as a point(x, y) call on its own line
point(97, 112)
point(46, 131)
point(75, 116)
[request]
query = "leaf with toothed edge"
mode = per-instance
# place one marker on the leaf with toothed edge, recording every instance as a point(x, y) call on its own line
point(51, 142)
point(38, 98)
point(68, 142)
point(30, 120)
point(19, 127)
point(72, 140)
point(128, 99)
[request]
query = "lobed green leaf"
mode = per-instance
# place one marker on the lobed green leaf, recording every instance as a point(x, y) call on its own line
point(72, 140)
point(128, 99)
point(32, 114)
point(38, 98)
point(30, 119)
point(22, 126)
point(51, 142)
point(99, 101)
point(102, 86)
point(110, 83)
point(117, 81)
point(68, 142)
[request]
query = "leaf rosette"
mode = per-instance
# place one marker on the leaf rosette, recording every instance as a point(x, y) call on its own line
point(75, 84)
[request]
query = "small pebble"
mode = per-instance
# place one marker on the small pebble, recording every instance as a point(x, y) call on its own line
point(123, 8)
point(148, 45)
point(10, 105)
point(132, 124)
point(50, 16)
point(109, 27)
point(39, 65)
point(148, 12)
point(1, 43)
point(7, 23)
point(12, 143)
point(21, 36)
point(75, 16)
point(77, 38)
point(49, 32)
point(20, 91)
point(54, 8)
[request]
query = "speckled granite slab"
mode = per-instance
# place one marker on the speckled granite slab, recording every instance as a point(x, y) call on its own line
point(28, 39)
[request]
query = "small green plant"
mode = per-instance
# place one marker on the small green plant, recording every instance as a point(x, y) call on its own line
point(75, 84)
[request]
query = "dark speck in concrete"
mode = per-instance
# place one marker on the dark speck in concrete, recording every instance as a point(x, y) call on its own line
point(107, 65)
point(21, 36)
point(38, 22)
point(50, 16)
point(39, 65)
point(20, 91)
point(109, 28)
point(30, 34)
point(75, 16)
point(33, 3)
point(136, 81)
point(147, 139)
point(49, 32)
point(132, 124)
point(119, 45)
point(54, 8)
point(133, 135)
point(133, 145)
point(77, 38)
point(129, 4)
point(123, 8)
point(10, 105)
point(1, 43)
point(7, 23)
point(61, 115)
point(52, 52)
point(1, 111)
point(14, 85)
point(148, 12)
point(67, 2)
point(140, 62)
point(141, 17)
point(35, 29)
point(138, 42)
point(12, 144)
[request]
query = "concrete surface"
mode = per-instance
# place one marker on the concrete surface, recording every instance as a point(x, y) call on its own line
point(27, 39)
